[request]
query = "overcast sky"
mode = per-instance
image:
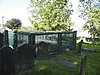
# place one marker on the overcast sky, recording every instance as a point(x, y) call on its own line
point(18, 9)
point(15, 9)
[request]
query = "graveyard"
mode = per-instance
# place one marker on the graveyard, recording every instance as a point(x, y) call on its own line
point(50, 37)
point(48, 67)
point(47, 53)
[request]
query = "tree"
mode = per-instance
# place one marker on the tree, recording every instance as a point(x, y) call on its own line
point(90, 12)
point(13, 24)
point(50, 14)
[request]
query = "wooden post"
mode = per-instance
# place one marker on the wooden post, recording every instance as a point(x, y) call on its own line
point(83, 65)
point(79, 49)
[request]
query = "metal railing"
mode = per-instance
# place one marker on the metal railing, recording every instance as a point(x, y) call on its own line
point(57, 41)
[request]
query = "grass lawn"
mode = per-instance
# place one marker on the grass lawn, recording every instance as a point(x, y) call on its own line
point(48, 67)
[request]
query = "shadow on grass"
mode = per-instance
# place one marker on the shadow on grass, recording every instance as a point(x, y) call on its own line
point(47, 67)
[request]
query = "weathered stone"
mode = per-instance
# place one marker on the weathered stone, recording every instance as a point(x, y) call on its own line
point(25, 57)
point(79, 49)
point(7, 61)
point(88, 50)
point(42, 50)
point(64, 62)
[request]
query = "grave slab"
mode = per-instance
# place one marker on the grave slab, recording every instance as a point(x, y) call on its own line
point(64, 62)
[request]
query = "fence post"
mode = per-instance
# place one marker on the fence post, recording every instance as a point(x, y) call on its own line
point(5, 38)
point(59, 40)
point(15, 45)
point(74, 38)
point(31, 39)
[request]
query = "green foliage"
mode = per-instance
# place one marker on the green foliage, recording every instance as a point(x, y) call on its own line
point(26, 28)
point(90, 12)
point(13, 24)
point(50, 14)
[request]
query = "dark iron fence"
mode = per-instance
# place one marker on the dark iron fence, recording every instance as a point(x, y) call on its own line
point(56, 41)
point(4, 39)
point(1, 40)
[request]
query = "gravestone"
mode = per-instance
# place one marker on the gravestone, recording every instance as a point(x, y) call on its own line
point(79, 48)
point(42, 50)
point(1, 40)
point(7, 61)
point(25, 58)
point(84, 50)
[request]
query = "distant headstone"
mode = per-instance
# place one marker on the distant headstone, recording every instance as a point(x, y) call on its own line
point(25, 57)
point(7, 61)
point(88, 50)
point(42, 50)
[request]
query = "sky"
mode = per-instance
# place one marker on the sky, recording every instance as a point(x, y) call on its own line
point(15, 9)
point(18, 9)
point(75, 18)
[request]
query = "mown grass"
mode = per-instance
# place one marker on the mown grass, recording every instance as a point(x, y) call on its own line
point(48, 67)
point(93, 61)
